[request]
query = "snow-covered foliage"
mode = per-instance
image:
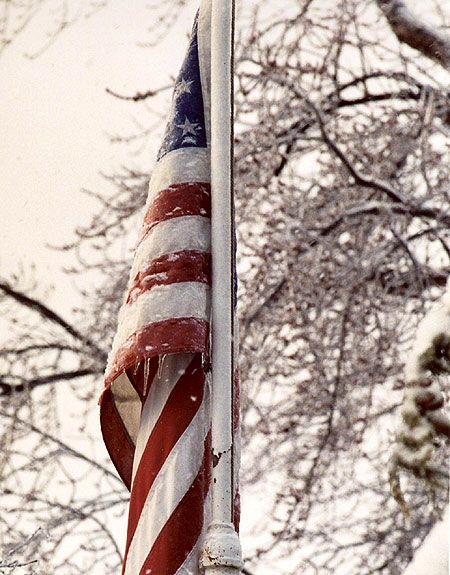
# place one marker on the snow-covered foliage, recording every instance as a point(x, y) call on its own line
point(431, 349)
point(423, 416)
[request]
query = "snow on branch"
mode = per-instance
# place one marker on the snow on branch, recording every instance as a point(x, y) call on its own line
point(412, 30)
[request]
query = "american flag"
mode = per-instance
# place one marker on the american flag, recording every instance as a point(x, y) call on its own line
point(155, 413)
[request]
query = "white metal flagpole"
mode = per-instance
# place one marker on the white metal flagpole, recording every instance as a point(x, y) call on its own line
point(221, 554)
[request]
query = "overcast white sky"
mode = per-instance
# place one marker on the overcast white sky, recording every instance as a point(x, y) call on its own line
point(56, 117)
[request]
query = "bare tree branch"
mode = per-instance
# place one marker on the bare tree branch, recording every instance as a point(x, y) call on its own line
point(412, 30)
point(360, 178)
point(139, 96)
point(66, 448)
point(7, 389)
point(47, 313)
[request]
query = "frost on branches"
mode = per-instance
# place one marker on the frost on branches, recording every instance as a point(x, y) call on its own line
point(423, 419)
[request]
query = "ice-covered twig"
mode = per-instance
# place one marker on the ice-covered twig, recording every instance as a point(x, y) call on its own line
point(423, 418)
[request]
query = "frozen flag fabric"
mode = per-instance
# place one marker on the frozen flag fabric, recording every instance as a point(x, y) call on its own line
point(154, 410)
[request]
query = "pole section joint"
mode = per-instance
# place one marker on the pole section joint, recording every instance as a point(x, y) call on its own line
point(221, 554)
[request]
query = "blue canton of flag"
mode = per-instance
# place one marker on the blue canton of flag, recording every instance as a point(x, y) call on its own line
point(186, 125)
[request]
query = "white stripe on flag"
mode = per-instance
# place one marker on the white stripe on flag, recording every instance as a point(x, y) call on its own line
point(184, 299)
point(170, 236)
point(180, 166)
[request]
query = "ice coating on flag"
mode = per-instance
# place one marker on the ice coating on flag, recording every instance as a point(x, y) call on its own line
point(154, 411)
point(177, 222)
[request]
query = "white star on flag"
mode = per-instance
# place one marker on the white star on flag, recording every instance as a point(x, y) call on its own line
point(184, 87)
point(189, 128)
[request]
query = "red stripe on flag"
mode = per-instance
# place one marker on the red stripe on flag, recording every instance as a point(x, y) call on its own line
point(186, 199)
point(177, 335)
point(117, 440)
point(181, 532)
point(184, 266)
point(178, 412)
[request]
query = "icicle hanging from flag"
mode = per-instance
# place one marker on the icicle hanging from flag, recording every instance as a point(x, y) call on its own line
point(155, 412)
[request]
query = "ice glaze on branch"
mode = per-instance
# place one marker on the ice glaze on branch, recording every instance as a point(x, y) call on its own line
point(411, 30)
point(138, 96)
point(48, 314)
point(8, 388)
